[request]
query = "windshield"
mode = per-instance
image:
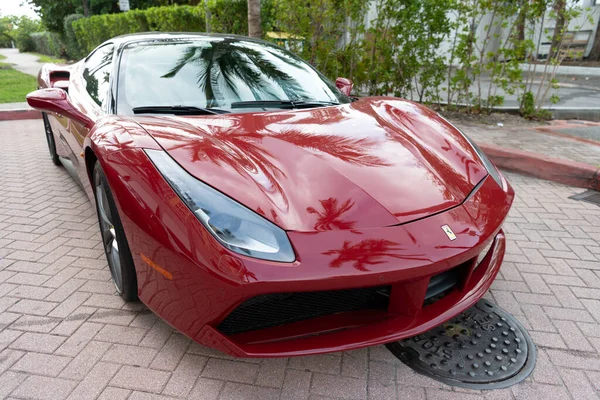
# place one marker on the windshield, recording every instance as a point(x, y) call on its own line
point(216, 73)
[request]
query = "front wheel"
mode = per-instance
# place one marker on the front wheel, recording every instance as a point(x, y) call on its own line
point(50, 140)
point(115, 243)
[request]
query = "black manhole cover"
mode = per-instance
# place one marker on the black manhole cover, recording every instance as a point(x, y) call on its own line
point(589, 196)
point(482, 348)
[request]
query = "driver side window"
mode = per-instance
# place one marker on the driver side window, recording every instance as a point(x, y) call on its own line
point(96, 73)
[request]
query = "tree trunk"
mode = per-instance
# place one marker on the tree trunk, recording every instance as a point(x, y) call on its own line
point(207, 15)
point(86, 7)
point(254, 28)
point(595, 53)
point(520, 24)
point(560, 7)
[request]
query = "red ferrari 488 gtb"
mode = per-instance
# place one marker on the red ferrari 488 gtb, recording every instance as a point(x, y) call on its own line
point(259, 208)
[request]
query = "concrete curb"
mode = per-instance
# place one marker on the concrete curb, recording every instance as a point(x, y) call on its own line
point(11, 115)
point(553, 169)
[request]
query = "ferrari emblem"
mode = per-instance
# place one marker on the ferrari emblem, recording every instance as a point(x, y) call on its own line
point(448, 232)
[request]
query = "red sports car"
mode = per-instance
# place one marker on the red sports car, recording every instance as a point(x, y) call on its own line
point(259, 208)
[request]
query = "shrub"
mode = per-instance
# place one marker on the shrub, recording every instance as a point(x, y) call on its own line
point(92, 31)
point(70, 39)
point(25, 27)
point(176, 19)
point(48, 43)
point(229, 16)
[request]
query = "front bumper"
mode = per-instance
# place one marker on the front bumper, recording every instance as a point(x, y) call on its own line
point(206, 283)
point(404, 318)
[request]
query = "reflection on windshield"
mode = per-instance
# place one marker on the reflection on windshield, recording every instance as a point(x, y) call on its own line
point(215, 72)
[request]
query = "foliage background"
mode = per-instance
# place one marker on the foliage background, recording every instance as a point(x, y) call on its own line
point(396, 53)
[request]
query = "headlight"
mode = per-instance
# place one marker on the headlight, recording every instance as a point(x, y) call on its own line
point(233, 225)
point(489, 166)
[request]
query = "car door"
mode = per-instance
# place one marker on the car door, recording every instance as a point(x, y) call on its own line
point(89, 93)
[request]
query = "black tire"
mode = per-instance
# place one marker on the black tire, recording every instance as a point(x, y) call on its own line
point(50, 140)
point(111, 228)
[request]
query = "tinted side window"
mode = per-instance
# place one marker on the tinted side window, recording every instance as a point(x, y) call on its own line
point(96, 73)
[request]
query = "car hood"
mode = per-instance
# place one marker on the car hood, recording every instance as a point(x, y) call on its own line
point(371, 163)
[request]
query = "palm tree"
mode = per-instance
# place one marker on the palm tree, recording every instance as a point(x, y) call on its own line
point(254, 28)
point(235, 62)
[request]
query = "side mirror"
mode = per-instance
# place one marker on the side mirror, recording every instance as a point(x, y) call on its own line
point(57, 101)
point(345, 85)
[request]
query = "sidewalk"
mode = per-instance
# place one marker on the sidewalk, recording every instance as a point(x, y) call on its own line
point(65, 334)
point(544, 152)
point(531, 139)
point(26, 63)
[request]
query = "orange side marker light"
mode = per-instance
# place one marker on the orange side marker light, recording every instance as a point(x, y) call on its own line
point(156, 267)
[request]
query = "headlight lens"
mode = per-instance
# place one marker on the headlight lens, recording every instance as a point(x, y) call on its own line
point(491, 168)
point(233, 225)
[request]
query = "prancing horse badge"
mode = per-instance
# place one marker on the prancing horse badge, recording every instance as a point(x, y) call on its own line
point(448, 232)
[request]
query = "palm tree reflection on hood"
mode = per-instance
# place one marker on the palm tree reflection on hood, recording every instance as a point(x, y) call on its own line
point(369, 252)
point(238, 64)
point(331, 216)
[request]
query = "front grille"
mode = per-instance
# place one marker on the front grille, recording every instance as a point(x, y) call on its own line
point(271, 310)
point(442, 284)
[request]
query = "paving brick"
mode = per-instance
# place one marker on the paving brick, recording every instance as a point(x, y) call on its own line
point(57, 303)
point(121, 334)
point(114, 393)
point(77, 341)
point(206, 389)
point(338, 386)
point(545, 371)
point(32, 307)
point(537, 318)
point(185, 375)
point(236, 371)
point(41, 364)
point(85, 360)
point(572, 336)
point(41, 387)
point(577, 384)
point(558, 313)
point(95, 382)
point(9, 381)
point(296, 384)
point(35, 323)
point(171, 353)
point(565, 296)
point(130, 355)
point(328, 363)
point(38, 342)
point(239, 391)
point(137, 378)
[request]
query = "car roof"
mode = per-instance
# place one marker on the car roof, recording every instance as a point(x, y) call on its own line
point(157, 36)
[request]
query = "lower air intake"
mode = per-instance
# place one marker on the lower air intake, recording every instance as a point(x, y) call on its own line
point(271, 310)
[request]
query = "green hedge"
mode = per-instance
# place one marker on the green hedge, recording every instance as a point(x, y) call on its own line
point(176, 19)
point(48, 43)
point(74, 52)
point(92, 31)
point(227, 16)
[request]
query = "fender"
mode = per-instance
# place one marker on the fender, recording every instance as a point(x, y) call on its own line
point(110, 134)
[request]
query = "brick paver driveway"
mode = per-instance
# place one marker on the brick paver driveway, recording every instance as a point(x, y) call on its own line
point(66, 334)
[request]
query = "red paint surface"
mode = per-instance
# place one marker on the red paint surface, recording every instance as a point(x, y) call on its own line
point(362, 190)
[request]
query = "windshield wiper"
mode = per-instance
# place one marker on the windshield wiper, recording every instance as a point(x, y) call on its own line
point(177, 110)
point(282, 104)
